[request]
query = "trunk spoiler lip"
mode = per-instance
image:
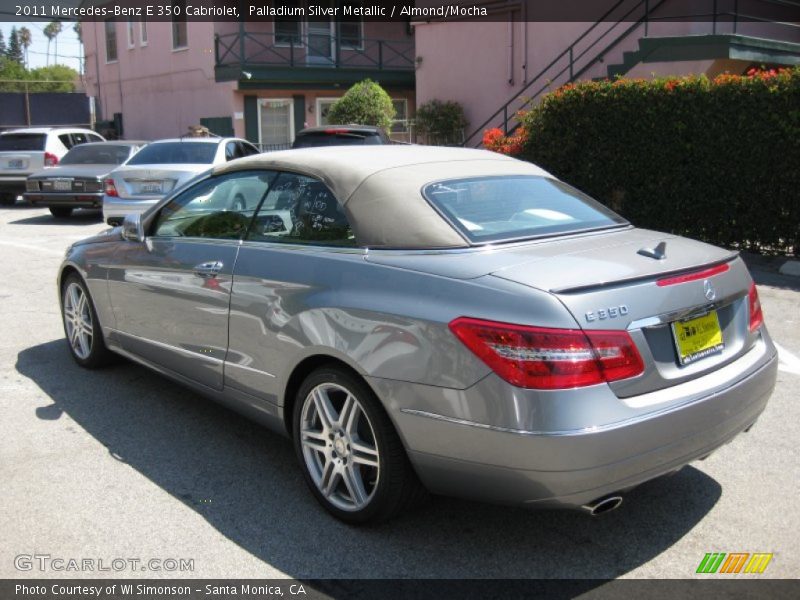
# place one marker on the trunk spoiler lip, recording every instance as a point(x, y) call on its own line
point(639, 278)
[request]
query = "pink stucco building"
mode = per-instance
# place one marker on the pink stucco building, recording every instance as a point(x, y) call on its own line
point(494, 68)
point(259, 80)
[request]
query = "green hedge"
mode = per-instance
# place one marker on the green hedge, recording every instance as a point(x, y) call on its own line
point(717, 160)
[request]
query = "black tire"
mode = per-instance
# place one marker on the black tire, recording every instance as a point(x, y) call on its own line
point(97, 354)
point(397, 486)
point(61, 212)
point(7, 199)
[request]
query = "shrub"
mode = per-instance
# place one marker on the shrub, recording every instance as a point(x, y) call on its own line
point(714, 159)
point(366, 103)
point(441, 122)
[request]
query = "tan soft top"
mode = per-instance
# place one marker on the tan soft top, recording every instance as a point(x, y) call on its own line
point(380, 187)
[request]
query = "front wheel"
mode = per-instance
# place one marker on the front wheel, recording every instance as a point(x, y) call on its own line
point(351, 455)
point(61, 212)
point(85, 339)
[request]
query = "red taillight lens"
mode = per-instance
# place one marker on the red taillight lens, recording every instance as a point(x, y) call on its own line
point(50, 160)
point(756, 316)
point(548, 359)
point(111, 189)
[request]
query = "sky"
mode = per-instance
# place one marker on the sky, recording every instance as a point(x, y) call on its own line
point(68, 45)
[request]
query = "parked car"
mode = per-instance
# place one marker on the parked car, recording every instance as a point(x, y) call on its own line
point(341, 135)
point(78, 180)
point(162, 167)
point(432, 318)
point(23, 151)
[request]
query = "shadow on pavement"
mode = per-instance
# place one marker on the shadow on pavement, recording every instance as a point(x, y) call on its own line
point(245, 482)
point(78, 217)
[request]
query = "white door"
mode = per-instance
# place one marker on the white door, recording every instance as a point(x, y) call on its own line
point(276, 123)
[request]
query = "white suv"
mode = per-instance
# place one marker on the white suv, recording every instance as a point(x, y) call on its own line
point(23, 151)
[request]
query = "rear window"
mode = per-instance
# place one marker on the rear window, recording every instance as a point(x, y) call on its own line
point(489, 209)
point(97, 155)
point(22, 141)
point(336, 139)
point(175, 153)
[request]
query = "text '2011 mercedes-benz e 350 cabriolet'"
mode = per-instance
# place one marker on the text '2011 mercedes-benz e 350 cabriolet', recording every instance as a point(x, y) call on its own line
point(438, 319)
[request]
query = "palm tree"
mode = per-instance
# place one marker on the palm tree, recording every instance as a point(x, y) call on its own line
point(25, 38)
point(56, 30)
point(48, 32)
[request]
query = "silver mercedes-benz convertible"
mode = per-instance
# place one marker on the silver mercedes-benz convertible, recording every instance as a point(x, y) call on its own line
point(420, 318)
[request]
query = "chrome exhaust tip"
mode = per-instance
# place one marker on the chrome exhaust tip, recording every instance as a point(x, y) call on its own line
point(602, 505)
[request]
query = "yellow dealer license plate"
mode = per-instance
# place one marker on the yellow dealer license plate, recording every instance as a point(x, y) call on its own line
point(697, 338)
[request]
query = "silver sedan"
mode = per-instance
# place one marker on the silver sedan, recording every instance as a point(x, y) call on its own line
point(427, 319)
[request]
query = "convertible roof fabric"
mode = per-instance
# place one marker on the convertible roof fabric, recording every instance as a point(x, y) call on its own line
point(380, 187)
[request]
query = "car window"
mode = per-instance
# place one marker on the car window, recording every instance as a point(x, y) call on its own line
point(336, 138)
point(246, 149)
point(217, 207)
point(106, 154)
point(301, 210)
point(22, 141)
point(79, 138)
point(487, 209)
point(95, 138)
point(175, 153)
point(66, 140)
point(231, 151)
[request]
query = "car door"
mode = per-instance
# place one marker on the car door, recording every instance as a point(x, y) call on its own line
point(170, 294)
point(297, 253)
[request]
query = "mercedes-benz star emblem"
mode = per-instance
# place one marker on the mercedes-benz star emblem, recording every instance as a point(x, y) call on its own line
point(709, 290)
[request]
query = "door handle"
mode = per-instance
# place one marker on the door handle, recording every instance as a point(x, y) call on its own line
point(208, 270)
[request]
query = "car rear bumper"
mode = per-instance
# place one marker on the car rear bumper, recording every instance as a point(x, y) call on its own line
point(569, 468)
point(115, 209)
point(13, 183)
point(71, 200)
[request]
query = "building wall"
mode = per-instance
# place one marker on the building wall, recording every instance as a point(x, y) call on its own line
point(159, 91)
point(482, 65)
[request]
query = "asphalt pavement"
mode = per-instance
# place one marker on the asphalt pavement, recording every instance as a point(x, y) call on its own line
point(123, 464)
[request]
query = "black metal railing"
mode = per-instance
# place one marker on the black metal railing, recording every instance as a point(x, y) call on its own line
point(610, 31)
point(267, 49)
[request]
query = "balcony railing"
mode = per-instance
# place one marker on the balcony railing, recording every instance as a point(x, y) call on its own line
point(266, 49)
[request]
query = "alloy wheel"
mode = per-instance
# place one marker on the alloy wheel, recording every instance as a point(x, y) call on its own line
point(78, 320)
point(339, 448)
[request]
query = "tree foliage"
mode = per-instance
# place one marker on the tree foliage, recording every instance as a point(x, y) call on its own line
point(366, 103)
point(441, 122)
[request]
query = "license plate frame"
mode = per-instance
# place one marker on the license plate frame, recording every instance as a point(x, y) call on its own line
point(697, 337)
point(16, 163)
point(62, 185)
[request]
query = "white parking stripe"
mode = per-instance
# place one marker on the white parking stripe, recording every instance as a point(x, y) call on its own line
point(787, 361)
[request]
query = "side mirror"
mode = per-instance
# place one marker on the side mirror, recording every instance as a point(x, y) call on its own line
point(132, 229)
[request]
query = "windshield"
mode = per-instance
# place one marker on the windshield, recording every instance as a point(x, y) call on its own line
point(22, 141)
point(323, 138)
point(175, 153)
point(105, 154)
point(488, 209)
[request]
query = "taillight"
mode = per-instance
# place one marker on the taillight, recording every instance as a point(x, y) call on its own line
point(548, 359)
point(111, 189)
point(50, 160)
point(694, 276)
point(756, 316)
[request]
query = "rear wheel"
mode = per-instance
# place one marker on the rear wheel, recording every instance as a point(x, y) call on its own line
point(351, 455)
point(61, 212)
point(7, 198)
point(84, 337)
